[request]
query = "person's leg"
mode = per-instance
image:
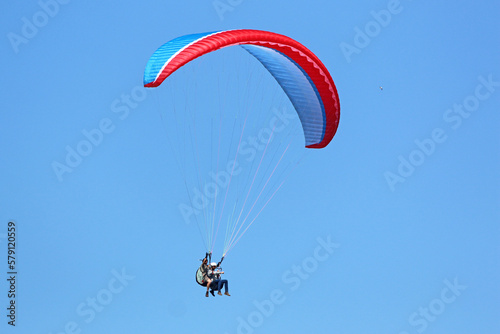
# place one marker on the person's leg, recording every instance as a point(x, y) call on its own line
point(213, 287)
point(218, 286)
point(225, 285)
point(208, 286)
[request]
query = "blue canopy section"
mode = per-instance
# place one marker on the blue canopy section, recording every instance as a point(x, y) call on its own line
point(165, 52)
point(299, 88)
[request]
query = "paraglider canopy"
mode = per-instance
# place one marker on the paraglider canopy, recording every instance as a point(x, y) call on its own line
point(299, 72)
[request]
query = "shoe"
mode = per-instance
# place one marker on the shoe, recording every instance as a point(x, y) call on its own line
point(206, 294)
point(219, 293)
point(227, 293)
point(212, 292)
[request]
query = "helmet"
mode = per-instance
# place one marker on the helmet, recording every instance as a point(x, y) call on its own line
point(213, 264)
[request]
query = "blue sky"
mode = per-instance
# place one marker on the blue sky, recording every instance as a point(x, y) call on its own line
point(393, 228)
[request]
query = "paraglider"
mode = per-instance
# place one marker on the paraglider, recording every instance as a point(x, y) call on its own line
point(216, 281)
point(309, 88)
point(206, 275)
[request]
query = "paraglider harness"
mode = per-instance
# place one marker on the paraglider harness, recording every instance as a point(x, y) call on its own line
point(202, 272)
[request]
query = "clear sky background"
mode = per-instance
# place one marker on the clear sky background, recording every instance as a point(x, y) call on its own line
point(410, 257)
